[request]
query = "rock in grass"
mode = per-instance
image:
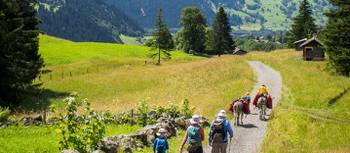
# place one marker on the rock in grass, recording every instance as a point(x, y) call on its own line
point(69, 151)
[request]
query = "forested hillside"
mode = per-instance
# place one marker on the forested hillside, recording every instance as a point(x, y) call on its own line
point(88, 20)
point(244, 14)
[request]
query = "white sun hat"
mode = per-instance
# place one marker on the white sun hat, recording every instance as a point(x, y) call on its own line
point(221, 114)
point(195, 119)
point(222, 111)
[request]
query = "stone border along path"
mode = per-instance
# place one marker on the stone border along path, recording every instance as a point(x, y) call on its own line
point(249, 136)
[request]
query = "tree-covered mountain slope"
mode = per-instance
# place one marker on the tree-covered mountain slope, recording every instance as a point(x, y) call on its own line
point(244, 14)
point(87, 20)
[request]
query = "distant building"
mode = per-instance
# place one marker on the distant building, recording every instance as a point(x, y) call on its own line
point(239, 51)
point(298, 43)
point(312, 49)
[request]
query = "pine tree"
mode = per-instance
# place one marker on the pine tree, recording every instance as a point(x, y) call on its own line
point(337, 36)
point(20, 62)
point(223, 41)
point(162, 40)
point(191, 36)
point(303, 24)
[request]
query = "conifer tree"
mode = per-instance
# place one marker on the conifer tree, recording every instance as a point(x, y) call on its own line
point(337, 36)
point(20, 62)
point(223, 41)
point(191, 36)
point(162, 41)
point(303, 24)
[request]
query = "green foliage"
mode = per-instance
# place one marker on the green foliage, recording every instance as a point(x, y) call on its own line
point(20, 62)
point(95, 21)
point(303, 24)
point(142, 113)
point(4, 113)
point(222, 39)
point(82, 132)
point(186, 109)
point(162, 41)
point(337, 36)
point(254, 45)
point(191, 37)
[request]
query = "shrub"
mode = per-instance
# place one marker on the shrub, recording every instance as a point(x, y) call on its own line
point(186, 110)
point(82, 132)
point(142, 113)
point(4, 113)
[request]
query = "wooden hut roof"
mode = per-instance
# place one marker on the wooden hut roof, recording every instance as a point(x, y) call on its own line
point(313, 39)
point(300, 41)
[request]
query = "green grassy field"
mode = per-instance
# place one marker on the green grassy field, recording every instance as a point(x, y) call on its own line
point(303, 121)
point(40, 139)
point(115, 77)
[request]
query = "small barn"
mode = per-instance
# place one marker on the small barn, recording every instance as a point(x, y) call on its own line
point(298, 43)
point(312, 50)
point(239, 51)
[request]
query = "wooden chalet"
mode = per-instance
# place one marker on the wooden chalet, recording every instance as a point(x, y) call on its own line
point(312, 49)
point(239, 51)
point(298, 43)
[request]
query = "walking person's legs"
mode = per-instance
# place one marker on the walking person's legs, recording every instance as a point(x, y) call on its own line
point(215, 148)
point(223, 147)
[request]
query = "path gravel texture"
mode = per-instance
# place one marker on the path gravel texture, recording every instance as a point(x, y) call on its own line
point(248, 137)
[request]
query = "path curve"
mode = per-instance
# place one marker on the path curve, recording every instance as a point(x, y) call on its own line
point(247, 138)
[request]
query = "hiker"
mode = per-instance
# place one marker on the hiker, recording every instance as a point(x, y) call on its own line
point(247, 97)
point(194, 136)
point(220, 129)
point(160, 144)
point(262, 90)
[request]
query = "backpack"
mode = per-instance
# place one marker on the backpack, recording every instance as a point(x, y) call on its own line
point(194, 139)
point(219, 131)
point(194, 135)
point(161, 145)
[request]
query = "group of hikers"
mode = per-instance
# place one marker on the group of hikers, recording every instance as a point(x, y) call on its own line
point(220, 131)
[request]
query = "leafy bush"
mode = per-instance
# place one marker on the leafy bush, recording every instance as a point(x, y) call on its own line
point(186, 110)
point(82, 132)
point(142, 113)
point(4, 113)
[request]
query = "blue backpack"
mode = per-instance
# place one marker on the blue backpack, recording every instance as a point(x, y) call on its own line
point(161, 145)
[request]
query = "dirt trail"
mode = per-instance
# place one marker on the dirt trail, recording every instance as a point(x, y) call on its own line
point(247, 138)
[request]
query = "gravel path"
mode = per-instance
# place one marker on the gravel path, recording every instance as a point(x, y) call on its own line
point(247, 138)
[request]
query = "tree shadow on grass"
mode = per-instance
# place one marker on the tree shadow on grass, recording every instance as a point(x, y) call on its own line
point(336, 98)
point(40, 100)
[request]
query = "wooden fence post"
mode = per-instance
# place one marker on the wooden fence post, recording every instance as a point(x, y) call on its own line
point(70, 73)
point(50, 76)
point(132, 117)
point(62, 75)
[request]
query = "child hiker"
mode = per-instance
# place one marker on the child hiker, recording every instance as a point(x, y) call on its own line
point(160, 144)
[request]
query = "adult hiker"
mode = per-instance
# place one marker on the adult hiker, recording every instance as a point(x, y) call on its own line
point(194, 136)
point(262, 92)
point(160, 144)
point(219, 134)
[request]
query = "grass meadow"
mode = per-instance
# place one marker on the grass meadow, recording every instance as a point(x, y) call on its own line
point(303, 121)
point(115, 77)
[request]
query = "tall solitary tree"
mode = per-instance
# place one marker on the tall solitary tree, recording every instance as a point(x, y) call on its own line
point(222, 39)
point(20, 62)
point(337, 36)
point(162, 41)
point(191, 36)
point(303, 24)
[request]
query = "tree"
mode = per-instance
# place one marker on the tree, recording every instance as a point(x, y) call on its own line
point(20, 62)
point(223, 41)
point(162, 40)
point(191, 36)
point(337, 36)
point(303, 24)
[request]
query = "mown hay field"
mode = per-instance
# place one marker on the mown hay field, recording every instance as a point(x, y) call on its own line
point(303, 121)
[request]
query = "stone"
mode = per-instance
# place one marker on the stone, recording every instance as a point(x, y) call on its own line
point(69, 151)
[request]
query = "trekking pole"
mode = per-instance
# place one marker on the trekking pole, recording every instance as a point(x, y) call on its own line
point(229, 146)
